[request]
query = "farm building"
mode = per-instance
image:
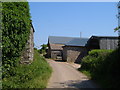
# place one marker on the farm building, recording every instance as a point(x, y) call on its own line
point(55, 46)
point(75, 50)
point(55, 50)
point(102, 42)
point(70, 49)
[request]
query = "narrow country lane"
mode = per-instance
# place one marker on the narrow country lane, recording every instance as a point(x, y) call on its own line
point(66, 76)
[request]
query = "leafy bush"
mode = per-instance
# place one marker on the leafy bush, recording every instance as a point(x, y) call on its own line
point(34, 75)
point(15, 32)
point(112, 72)
point(103, 66)
point(94, 60)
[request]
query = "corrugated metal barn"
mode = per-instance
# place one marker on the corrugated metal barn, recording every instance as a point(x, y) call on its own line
point(70, 49)
point(55, 45)
point(75, 50)
point(102, 42)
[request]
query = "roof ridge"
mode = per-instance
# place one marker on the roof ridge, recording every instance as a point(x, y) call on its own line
point(70, 37)
point(102, 36)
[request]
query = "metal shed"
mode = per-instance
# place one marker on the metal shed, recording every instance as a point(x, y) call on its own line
point(102, 42)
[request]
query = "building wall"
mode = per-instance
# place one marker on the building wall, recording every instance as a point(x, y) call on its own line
point(54, 50)
point(102, 43)
point(74, 54)
point(108, 43)
point(49, 51)
point(55, 54)
point(28, 52)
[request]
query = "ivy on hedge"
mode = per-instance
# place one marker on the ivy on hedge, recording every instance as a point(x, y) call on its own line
point(15, 32)
point(103, 66)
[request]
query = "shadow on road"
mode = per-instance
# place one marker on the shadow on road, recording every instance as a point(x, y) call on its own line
point(82, 84)
point(77, 84)
point(59, 60)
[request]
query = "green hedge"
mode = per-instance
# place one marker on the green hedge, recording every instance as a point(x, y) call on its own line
point(93, 61)
point(103, 66)
point(15, 32)
point(34, 75)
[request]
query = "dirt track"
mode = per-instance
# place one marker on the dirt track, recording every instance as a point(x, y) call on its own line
point(66, 76)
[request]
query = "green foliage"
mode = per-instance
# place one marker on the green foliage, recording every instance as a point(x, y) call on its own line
point(15, 32)
point(116, 29)
point(34, 75)
point(44, 46)
point(43, 49)
point(94, 60)
point(35, 48)
point(0, 46)
point(103, 66)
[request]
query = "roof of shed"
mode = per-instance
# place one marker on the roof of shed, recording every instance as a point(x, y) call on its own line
point(69, 41)
point(115, 37)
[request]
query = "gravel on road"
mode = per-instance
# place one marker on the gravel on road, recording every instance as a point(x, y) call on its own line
point(65, 75)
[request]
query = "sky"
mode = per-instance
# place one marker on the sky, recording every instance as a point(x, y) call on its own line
point(73, 0)
point(70, 18)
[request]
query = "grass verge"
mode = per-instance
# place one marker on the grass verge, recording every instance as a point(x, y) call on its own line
point(35, 75)
point(87, 73)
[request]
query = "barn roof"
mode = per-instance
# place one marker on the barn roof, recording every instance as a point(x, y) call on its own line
point(69, 41)
point(115, 37)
